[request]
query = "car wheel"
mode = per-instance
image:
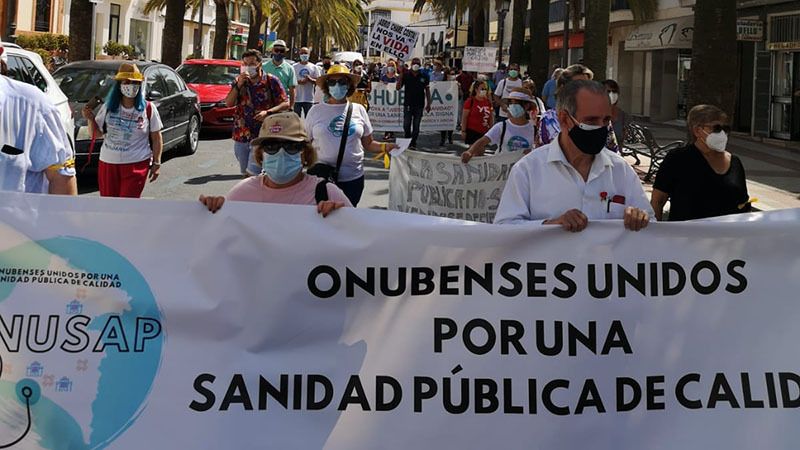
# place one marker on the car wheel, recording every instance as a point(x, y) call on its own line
point(189, 147)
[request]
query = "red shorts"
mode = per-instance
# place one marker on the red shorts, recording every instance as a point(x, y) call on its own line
point(122, 180)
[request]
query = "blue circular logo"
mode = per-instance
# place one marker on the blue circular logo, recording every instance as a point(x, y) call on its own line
point(517, 143)
point(84, 376)
point(336, 125)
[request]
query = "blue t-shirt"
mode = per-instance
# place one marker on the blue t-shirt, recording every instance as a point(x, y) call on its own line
point(32, 137)
point(549, 93)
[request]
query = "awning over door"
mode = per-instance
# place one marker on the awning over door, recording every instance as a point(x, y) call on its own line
point(663, 34)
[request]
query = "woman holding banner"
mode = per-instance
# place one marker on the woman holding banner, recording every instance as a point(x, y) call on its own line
point(518, 133)
point(341, 155)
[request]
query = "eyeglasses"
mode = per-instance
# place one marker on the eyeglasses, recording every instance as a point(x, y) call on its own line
point(331, 82)
point(278, 51)
point(719, 127)
point(292, 148)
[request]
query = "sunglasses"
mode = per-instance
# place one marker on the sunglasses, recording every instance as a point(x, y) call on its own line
point(280, 52)
point(717, 128)
point(292, 148)
point(330, 82)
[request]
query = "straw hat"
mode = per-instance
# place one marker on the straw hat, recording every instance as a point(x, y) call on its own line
point(338, 69)
point(129, 71)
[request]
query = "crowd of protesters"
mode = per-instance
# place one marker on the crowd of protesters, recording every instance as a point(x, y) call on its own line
point(301, 132)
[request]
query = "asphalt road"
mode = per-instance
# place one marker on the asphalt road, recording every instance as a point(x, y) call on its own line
point(213, 170)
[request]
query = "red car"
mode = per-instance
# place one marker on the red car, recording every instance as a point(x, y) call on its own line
point(211, 79)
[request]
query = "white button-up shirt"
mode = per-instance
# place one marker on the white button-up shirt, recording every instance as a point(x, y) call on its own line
point(544, 185)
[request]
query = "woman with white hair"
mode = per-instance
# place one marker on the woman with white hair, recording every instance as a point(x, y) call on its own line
point(518, 133)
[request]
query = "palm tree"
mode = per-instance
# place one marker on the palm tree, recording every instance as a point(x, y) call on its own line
point(519, 11)
point(335, 19)
point(80, 27)
point(712, 79)
point(595, 44)
point(220, 29)
point(539, 61)
point(477, 15)
point(172, 41)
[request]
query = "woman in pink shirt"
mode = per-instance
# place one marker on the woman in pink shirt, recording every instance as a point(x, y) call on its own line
point(282, 149)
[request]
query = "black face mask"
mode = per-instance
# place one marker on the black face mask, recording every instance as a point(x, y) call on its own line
point(590, 142)
point(326, 66)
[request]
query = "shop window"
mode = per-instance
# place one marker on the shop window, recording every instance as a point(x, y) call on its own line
point(113, 23)
point(42, 22)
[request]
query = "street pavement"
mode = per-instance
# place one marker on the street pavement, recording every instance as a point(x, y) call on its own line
point(773, 172)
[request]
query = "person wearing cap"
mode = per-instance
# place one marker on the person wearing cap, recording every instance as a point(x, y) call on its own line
point(283, 149)
point(256, 95)
point(325, 125)
point(281, 69)
point(575, 179)
point(131, 130)
point(37, 156)
point(518, 133)
point(306, 74)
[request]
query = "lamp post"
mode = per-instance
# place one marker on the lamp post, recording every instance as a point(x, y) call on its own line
point(502, 10)
point(565, 56)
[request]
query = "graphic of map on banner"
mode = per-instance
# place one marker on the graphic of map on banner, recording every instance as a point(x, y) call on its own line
point(480, 59)
point(393, 38)
point(441, 185)
point(270, 327)
point(386, 107)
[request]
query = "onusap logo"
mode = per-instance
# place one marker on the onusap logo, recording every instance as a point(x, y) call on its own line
point(81, 343)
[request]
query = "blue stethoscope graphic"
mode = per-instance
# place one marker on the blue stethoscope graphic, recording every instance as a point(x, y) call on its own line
point(26, 395)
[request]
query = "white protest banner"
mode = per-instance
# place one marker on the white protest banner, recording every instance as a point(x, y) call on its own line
point(393, 38)
point(480, 59)
point(386, 107)
point(135, 324)
point(443, 186)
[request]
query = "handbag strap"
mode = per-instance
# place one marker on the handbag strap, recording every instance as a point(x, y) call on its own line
point(502, 137)
point(343, 142)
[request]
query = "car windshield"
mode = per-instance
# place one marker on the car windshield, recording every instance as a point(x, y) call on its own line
point(82, 84)
point(208, 73)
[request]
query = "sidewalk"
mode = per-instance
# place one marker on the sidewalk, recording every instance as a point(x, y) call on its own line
point(773, 171)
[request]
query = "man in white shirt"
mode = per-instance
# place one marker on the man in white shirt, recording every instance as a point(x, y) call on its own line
point(306, 74)
point(35, 152)
point(575, 179)
point(504, 89)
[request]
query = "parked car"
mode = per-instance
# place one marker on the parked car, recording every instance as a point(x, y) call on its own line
point(177, 105)
point(211, 79)
point(28, 67)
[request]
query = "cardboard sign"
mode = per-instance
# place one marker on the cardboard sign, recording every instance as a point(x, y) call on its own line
point(393, 38)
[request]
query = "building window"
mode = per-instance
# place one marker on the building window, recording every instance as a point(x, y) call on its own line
point(244, 13)
point(113, 23)
point(42, 15)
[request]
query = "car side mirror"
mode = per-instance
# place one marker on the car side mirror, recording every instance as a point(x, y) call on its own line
point(155, 95)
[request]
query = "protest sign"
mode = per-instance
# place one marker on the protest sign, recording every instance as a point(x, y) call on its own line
point(441, 185)
point(386, 107)
point(393, 38)
point(480, 59)
point(132, 324)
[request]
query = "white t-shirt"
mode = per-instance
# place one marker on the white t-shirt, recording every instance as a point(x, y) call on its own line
point(517, 138)
point(31, 127)
point(324, 125)
point(304, 93)
point(504, 87)
point(127, 134)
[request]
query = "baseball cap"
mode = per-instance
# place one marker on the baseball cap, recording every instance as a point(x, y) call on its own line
point(286, 126)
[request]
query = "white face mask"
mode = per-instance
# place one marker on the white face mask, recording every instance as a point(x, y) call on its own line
point(481, 92)
point(717, 141)
point(129, 90)
point(415, 67)
point(614, 97)
point(250, 71)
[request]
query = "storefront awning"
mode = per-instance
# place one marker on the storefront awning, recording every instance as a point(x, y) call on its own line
point(674, 33)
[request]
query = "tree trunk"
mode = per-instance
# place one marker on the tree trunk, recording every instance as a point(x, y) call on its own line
point(519, 11)
point(712, 80)
point(595, 45)
point(256, 18)
point(304, 32)
point(172, 44)
point(478, 25)
point(80, 27)
point(221, 30)
point(540, 46)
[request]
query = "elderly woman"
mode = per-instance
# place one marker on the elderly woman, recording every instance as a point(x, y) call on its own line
point(325, 124)
point(518, 133)
point(282, 149)
point(702, 179)
point(131, 128)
